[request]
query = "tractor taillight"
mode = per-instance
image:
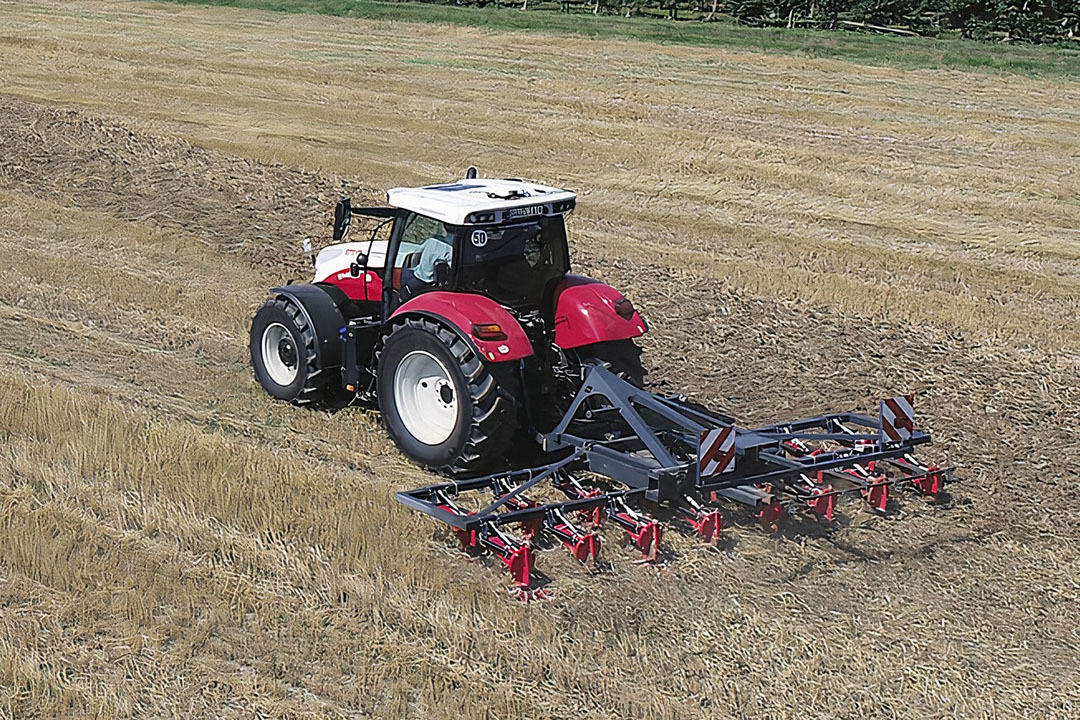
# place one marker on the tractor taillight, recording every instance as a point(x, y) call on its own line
point(489, 331)
point(625, 308)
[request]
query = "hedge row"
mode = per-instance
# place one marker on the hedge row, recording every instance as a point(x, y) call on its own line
point(1035, 21)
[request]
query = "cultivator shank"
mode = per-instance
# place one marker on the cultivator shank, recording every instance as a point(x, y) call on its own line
point(621, 448)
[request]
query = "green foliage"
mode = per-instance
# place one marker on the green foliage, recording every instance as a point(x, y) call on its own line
point(763, 26)
point(1037, 21)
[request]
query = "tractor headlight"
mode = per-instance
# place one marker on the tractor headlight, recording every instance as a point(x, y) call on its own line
point(477, 218)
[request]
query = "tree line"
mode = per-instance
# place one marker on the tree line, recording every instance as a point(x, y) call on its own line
point(1034, 21)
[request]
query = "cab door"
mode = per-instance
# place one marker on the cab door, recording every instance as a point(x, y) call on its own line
point(372, 270)
point(411, 231)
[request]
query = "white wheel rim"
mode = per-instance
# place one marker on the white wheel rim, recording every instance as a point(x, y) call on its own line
point(279, 353)
point(425, 398)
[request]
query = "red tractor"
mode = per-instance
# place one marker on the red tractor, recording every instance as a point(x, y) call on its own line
point(458, 316)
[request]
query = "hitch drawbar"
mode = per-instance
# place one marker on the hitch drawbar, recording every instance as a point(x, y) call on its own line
point(619, 447)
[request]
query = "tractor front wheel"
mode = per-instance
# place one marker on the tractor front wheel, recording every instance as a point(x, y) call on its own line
point(282, 345)
point(441, 404)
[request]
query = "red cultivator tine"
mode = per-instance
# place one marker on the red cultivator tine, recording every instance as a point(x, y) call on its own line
point(707, 522)
point(877, 494)
point(644, 531)
point(585, 549)
point(582, 545)
point(930, 482)
point(647, 539)
point(519, 559)
point(874, 488)
point(470, 541)
point(925, 479)
point(825, 502)
point(531, 528)
point(520, 562)
point(467, 538)
point(592, 516)
point(769, 514)
point(818, 496)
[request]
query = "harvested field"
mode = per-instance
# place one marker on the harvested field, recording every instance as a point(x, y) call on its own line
point(801, 235)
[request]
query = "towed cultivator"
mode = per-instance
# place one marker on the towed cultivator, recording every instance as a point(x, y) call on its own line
point(621, 448)
point(460, 319)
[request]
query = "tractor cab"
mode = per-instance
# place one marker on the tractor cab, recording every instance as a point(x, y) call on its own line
point(518, 264)
point(500, 239)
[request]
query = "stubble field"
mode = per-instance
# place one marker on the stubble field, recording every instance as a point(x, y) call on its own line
point(803, 235)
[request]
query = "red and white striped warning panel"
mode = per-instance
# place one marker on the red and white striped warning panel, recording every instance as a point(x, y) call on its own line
point(716, 451)
point(897, 419)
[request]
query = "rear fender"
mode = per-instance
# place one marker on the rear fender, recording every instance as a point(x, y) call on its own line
point(463, 312)
point(321, 310)
point(585, 314)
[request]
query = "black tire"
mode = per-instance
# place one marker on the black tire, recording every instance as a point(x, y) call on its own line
point(622, 356)
point(311, 385)
point(486, 408)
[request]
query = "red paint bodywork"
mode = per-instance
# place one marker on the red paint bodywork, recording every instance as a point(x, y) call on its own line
point(367, 286)
point(355, 288)
point(464, 310)
point(585, 314)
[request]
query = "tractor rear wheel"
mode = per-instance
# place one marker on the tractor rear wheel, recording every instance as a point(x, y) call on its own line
point(282, 345)
point(441, 404)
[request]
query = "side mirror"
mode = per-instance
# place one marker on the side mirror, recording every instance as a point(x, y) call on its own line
point(342, 219)
point(358, 266)
point(442, 273)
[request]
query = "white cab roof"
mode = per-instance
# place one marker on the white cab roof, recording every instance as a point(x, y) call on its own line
point(453, 202)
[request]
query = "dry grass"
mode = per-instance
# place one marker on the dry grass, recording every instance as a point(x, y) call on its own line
point(173, 544)
point(884, 192)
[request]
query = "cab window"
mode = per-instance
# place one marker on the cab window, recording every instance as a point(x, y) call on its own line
point(418, 228)
point(515, 264)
